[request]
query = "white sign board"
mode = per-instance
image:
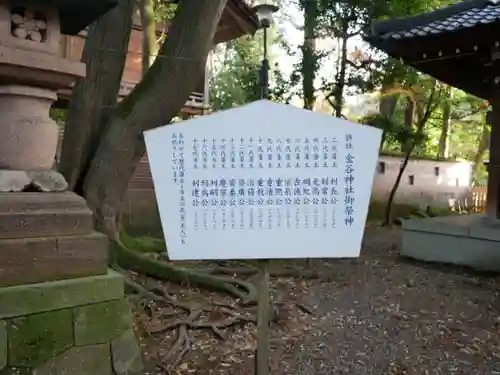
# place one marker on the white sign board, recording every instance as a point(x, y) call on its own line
point(263, 181)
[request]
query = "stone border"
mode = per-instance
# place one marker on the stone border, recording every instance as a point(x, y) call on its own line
point(54, 295)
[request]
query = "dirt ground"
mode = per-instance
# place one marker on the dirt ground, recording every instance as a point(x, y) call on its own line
point(379, 314)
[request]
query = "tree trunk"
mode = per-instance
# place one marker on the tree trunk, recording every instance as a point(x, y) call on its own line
point(95, 96)
point(309, 52)
point(153, 102)
point(387, 106)
point(341, 77)
point(444, 139)
point(392, 194)
point(148, 24)
point(410, 145)
point(409, 115)
point(482, 146)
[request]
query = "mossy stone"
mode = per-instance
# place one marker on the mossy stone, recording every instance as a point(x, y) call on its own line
point(34, 339)
point(16, 371)
point(126, 354)
point(3, 344)
point(101, 322)
point(79, 360)
point(56, 295)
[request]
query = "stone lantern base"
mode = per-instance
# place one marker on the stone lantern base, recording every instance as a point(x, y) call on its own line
point(62, 311)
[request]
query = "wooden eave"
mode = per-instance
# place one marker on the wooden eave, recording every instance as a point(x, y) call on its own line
point(456, 44)
point(76, 15)
point(238, 19)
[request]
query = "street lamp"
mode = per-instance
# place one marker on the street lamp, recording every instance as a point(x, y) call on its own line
point(265, 15)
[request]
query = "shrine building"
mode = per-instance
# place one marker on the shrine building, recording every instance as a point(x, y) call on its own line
point(459, 45)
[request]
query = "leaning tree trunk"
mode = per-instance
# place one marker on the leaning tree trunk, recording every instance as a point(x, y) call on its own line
point(154, 102)
point(392, 194)
point(409, 113)
point(94, 97)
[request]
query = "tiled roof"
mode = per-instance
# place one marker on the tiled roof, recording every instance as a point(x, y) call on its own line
point(446, 19)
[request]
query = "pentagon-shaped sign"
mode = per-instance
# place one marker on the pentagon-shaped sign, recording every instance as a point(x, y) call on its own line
point(263, 181)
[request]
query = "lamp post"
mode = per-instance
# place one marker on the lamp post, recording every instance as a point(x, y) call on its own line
point(265, 15)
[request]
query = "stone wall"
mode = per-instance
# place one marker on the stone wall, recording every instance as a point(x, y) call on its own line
point(73, 327)
point(424, 182)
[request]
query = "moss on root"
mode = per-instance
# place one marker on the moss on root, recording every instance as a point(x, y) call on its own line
point(132, 254)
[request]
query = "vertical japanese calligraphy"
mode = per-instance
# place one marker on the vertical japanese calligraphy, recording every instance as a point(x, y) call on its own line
point(349, 181)
point(264, 180)
point(175, 157)
point(275, 201)
point(196, 153)
point(181, 179)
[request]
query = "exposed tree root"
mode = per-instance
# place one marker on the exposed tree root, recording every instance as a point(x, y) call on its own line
point(135, 261)
point(225, 318)
point(214, 316)
point(220, 316)
point(246, 271)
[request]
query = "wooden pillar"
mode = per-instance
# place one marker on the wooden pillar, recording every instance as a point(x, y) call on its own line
point(493, 192)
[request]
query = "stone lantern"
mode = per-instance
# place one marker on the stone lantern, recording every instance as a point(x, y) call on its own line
point(62, 311)
point(31, 72)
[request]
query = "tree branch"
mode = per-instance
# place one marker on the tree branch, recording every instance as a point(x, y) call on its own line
point(94, 97)
point(153, 102)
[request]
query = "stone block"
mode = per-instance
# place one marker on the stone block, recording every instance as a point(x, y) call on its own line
point(33, 260)
point(38, 68)
point(3, 344)
point(126, 354)
point(55, 295)
point(83, 360)
point(13, 202)
point(40, 217)
point(101, 322)
point(34, 339)
point(17, 371)
point(45, 223)
point(434, 247)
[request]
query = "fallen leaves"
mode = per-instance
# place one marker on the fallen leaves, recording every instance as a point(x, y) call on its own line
point(375, 315)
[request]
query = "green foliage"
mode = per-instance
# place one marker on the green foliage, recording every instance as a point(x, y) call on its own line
point(163, 10)
point(237, 78)
point(58, 115)
point(480, 176)
point(236, 81)
point(376, 211)
point(143, 244)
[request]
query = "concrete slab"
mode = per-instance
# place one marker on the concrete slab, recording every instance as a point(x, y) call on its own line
point(466, 240)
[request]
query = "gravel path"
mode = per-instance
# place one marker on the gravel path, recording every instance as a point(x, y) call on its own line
point(386, 315)
point(376, 315)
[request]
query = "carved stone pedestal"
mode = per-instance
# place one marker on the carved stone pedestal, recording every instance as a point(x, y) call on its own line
point(62, 311)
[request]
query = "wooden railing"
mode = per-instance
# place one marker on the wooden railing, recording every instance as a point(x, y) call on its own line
point(478, 199)
point(141, 179)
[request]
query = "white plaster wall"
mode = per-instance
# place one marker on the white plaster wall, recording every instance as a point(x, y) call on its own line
point(451, 185)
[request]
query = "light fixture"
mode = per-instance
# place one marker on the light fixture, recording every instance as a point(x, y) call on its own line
point(265, 14)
